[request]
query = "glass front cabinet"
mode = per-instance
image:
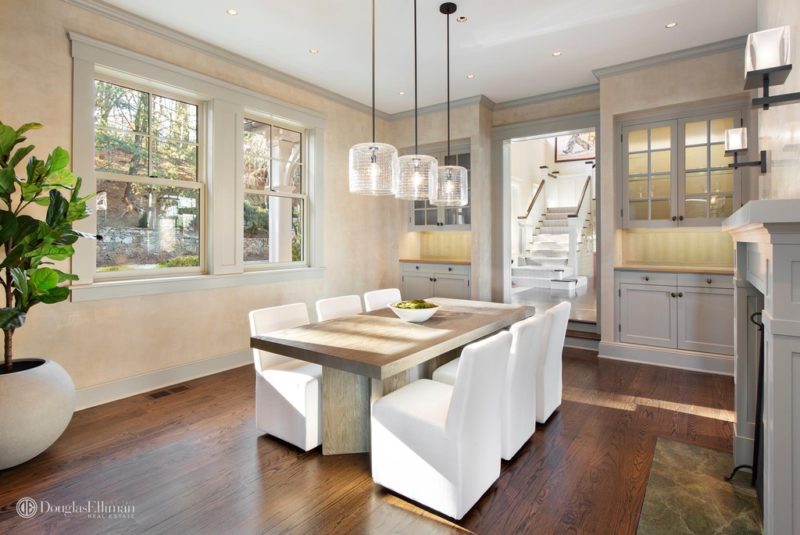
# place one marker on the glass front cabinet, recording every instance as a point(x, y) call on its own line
point(423, 216)
point(675, 172)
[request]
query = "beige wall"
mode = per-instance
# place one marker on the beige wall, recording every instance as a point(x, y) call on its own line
point(107, 340)
point(710, 78)
point(549, 108)
point(779, 127)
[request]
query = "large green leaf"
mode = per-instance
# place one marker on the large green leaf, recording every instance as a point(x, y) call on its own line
point(8, 138)
point(30, 190)
point(11, 318)
point(7, 183)
point(63, 178)
point(54, 252)
point(28, 126)
point(19, 155)
point(35, 170)
point(8, 225)
point(21, 286)
point(55, 295)
point(58, 160)
point(57, 211)
point(43, 279)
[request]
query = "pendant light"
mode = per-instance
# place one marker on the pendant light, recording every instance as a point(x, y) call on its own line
point(451, 186)
point(374, 167)
point(417, 170)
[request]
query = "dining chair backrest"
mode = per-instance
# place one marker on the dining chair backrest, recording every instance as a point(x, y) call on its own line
point(337, 307)
point(559, 319)
point(378, 299)
point(474, 412)
point(528, 347)
point(265, 320)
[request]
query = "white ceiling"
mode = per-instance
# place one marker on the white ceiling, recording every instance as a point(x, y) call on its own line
point(507, 44)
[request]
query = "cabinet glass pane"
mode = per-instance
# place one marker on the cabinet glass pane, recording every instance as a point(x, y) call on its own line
point(696, 182)
point(696, 158)
point(718, 158)
point(696, 207)
point(637, 140)
point(637, 164)
point(662, 186)
point(660, 161)
point(419, 217)
point(638, 210)
point(696, 133)
point(431, 216)
point(721, 206)
point(718, 127)
point(660, 138)
point(660, 210)
point(637, 189)
point(722, 181)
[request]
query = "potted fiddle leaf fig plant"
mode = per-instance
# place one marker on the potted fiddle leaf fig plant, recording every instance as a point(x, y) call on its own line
point(37, 396)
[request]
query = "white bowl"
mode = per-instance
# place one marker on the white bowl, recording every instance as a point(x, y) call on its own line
point(414, 315)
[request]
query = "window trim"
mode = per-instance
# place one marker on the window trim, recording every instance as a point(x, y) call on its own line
point(199, 184)
point(222, 231)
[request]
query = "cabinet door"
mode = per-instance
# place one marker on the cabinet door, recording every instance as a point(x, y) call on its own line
point(417, 286)
point(648, 315)
point(705, 320)
point(451, 286)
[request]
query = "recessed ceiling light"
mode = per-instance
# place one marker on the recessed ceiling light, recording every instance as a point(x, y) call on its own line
point(402, 92)
point(556, 53)
point(232, 12)
point(313, 50)
point(670, 25)
point(471, 76)
point(462, 18)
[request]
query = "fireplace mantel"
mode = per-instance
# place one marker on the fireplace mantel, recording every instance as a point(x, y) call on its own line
point(767, 279)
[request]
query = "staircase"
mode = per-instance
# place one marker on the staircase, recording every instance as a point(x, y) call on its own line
point(549, 259)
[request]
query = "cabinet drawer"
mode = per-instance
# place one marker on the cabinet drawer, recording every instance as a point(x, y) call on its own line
point(455, 269)
point(700, 280)
point(648, 278)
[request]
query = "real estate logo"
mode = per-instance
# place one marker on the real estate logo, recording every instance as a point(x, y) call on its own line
point(27, 507)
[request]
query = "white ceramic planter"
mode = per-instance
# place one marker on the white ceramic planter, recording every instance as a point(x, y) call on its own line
point(35, 407)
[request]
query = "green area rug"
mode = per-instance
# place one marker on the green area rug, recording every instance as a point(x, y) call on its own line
point(687, 493)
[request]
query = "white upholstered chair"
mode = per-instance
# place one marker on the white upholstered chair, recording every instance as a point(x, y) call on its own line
point(288, 391)
point(549, 385)
point(438, 444)
point(528, 348)
point(337, 307)
point(377, 299)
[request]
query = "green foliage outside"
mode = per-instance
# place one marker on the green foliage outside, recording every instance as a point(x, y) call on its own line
point(180, 261)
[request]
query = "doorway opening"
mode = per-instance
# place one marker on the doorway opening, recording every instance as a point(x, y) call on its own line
point(553, 222)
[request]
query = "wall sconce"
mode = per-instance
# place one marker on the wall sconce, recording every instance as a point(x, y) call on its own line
point(767, 63)
point(735, 142)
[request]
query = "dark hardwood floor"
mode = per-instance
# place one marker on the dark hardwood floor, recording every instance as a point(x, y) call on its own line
point(192, 462)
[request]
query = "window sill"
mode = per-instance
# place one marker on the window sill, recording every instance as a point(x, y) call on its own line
point(114, 289)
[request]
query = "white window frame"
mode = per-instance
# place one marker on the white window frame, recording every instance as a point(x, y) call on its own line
point(225, 106)
point(303, 195)
point(198, 184)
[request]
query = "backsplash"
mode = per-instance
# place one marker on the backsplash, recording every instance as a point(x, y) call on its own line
point(696, 247)
point(454, 245)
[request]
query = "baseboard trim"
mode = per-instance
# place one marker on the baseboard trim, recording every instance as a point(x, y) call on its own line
point(581, 343)
point(669, 358)
point(742, 449)
point(131, 386)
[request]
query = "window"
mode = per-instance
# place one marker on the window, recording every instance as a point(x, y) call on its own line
point(274, 194)
point(675, 172)
point(149, 193)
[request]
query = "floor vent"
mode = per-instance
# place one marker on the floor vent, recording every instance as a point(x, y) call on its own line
point(168, 391)
point(159, 394)
point(179, 388)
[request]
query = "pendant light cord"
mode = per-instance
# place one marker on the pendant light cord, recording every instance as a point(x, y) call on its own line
point(373, 71)
point(448, 85)
point(416, 126)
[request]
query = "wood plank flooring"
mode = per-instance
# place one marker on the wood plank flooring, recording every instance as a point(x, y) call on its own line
point(193, 462)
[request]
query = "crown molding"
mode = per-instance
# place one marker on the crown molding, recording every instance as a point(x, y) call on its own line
point(483, 100)
point(135, 21)
point(736, 43)
point(544, 97)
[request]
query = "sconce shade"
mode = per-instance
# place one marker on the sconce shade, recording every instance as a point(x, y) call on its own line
point(374, 168)
point(417, 171)
point(767, 49)
point(735, 139)
point(450, 187)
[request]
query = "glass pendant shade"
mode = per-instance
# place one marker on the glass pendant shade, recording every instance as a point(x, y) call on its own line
point(374, 169)
point(417, 171)
point(450, 187)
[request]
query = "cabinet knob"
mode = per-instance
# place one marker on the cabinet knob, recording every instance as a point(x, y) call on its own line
point(451, 269)
point(673, 294)
point(647, 278)
point(709, 280)
point(680, 218)
point(680, 294)
point(674, 218)
point(417, 267)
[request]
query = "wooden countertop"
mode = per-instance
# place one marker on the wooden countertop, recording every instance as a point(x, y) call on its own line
point(675, 269)
point(436, 261)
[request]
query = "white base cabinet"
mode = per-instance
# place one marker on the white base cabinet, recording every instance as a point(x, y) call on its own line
point(421, 280)
point(689, 312)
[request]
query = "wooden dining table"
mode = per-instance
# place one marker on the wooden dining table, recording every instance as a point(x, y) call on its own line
point(369, 355)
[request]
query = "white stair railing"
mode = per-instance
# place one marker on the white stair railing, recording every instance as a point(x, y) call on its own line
point(528, 220)
point(575, 222)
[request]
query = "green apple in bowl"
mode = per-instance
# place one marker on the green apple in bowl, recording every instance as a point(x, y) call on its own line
point(414, 311)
